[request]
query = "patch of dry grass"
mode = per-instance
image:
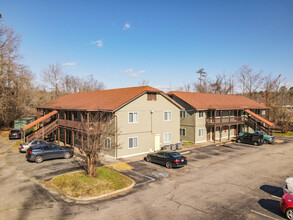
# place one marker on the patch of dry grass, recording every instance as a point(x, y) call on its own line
point(78, 183)
point(288, 134)
point(14, 148)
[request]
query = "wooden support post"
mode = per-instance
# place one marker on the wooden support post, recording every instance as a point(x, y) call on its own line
point(228, 132)
point(221, 115)
point(65, 138)
point(72, 137)
point(229, 115)
point(221, 133)
point(58, 136)
point(82, 141)
point(215, 126)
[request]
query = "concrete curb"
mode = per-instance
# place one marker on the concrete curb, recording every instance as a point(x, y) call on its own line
point(90, 198)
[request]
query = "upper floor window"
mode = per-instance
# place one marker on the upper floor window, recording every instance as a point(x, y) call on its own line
point(182, 113)
point(167, 116)
point(217, 113)
point(151, 96)
point(133, 117)
point(200, 114)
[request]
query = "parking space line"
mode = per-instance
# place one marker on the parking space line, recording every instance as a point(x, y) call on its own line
point(150, 178)
point(277, 197)
point(263, 214)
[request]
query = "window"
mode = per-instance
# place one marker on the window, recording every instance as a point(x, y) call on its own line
point(167, 115)
point(200, 114)
point(108, 143)
point(200, 132)
point(132, 117)
point(182, 131)
point(151, 96)
point(183, 114)
point(132, 142)
point(217, 113)
point(167, 137)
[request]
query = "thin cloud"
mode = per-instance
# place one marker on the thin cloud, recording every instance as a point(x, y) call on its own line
point(133, 75)
point(127, 70)
point(69, 64)
point(126, 26)
point(136, 74)
point(99, 43)
point(164, 88)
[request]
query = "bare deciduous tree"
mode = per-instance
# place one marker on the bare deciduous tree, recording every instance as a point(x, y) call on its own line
point(53, 77)
point(96, 136)
point(249, 80)
point(143, 83)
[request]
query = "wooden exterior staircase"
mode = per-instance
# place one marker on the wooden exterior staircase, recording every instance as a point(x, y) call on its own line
point(44, 131)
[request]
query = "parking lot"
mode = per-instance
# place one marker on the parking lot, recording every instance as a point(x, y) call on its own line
point(230, 181)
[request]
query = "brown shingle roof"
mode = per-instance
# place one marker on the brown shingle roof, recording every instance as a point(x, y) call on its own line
point(203, 101)
point(102, 100)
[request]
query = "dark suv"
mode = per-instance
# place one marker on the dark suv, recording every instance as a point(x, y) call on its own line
point(39, 153)
point(15, 134)
point(250, 138)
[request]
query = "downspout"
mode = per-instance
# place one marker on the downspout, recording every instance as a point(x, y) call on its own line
point(116, 135)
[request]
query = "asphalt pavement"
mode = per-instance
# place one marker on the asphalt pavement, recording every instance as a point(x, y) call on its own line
point(231, 181)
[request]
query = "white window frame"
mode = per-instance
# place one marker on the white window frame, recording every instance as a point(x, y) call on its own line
point(199, 114)
point(132, 142)
point(182, 113)
point(169, 137)
point(200, 129)
point(183, 129)
point(168, 119)
point(108, 144)
point(134, 121)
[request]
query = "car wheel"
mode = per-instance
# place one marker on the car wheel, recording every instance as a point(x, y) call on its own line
point(289, 213)
point(67, 155)
point(168, 165)
point(149, 159)
point(39, 159)
point(265, 142)
point(238, 140)
point(255, 143)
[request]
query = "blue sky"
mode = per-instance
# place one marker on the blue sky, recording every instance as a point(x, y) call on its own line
point(164, 42)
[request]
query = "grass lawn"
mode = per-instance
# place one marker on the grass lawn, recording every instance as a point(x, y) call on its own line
point(78, 183)
point(14, 148)
point(288, 134)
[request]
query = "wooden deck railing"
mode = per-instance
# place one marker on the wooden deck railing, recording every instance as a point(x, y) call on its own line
point(226, 120)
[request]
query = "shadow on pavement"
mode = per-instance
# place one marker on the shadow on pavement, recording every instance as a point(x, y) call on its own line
point(273, 190)
point(272, 206)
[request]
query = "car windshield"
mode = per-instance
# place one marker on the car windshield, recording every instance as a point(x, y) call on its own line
point(175, 155)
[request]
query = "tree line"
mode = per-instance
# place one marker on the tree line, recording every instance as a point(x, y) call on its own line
point(261, 87)
point(20, 92)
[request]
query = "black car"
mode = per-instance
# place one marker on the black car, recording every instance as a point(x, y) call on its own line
point(250, 138)
point(169, 159)
point(39, 153)
point(15, 134)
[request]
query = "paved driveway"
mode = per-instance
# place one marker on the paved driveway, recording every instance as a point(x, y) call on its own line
point(234, 181)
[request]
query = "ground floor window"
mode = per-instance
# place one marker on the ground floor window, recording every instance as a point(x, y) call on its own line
point(200, 132)
point(132, 142)
point(108, 143)
point(182, 131)
point(167, 137)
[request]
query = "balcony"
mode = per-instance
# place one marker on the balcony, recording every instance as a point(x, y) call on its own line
point(225, 120)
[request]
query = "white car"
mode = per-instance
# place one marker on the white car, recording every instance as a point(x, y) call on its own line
point(288, 188)
point(23, 147)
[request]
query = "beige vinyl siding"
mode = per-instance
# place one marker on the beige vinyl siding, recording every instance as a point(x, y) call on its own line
point(187, 122)
point(150, 122)
point(200, 123)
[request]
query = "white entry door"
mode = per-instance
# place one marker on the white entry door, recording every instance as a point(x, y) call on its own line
point(157, 142)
